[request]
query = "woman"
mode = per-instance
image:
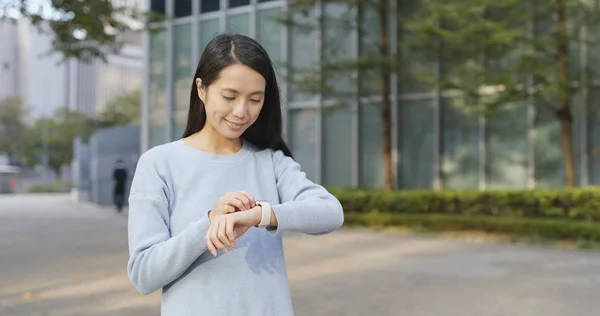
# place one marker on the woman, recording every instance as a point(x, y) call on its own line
point(207, 212)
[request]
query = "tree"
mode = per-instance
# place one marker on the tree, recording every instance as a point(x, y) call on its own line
point(124, 109)
point(385, 75)
point(498, 52)
point(334, 76)
point(83, 30)
point(50, 140)
point(12, 127)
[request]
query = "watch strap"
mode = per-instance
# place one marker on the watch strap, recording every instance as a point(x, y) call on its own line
point(266, 214)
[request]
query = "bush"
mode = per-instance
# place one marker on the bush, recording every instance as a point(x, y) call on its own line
point(559, 214)
point(573, 204)
point(54, 187)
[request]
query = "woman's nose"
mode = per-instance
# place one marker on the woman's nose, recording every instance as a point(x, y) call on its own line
point(240, 109)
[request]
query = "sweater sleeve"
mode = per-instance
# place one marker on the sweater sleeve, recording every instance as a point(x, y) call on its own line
point(155, 257)
point(306, 207)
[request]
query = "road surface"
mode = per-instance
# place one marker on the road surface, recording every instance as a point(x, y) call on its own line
point(59, 258)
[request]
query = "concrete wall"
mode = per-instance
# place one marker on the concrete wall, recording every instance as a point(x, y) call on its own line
point(106, 146)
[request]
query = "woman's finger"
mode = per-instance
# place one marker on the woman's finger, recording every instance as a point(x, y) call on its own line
point(209, 244)
point(249, 197)
point(228, 208)
point(213, 236)
point(244, 199)
point(221, 233)
point(236, 202)
point(229, 224)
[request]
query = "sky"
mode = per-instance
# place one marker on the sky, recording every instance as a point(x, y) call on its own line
point(32, 5)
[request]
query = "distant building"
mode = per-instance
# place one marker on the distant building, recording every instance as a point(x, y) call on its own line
point(9, 59)
point(92, 85)
point(435, 144)
point(28, 69)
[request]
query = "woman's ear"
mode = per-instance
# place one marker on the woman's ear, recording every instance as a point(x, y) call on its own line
point(201, 89)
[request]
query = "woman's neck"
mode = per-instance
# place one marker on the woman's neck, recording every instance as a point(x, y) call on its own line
point(214, 143)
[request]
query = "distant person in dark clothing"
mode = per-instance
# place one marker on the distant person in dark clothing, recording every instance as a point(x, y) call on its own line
point(120, 177)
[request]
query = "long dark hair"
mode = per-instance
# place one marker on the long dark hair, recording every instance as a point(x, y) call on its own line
point(228, 49)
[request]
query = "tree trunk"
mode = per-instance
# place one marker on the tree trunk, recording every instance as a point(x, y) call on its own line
point(563, 111)
point(385, 93)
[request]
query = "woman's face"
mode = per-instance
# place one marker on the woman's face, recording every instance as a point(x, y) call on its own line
point(233, 101)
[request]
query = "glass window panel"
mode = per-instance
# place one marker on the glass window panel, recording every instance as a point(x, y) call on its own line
point(183, 8)
point(578, 11)
point(158, 82)
point(239, 23)
point(460, 145)
point(208, 30)
point(412, 80)
point(268, 33)
point(416, 144)
point(337, 146)
point(574, 53)
point(209, 6)
point(260, 1)
point(507, 147)
point(593, 58)
point(369, 83)
point(338, 45)
point(303, 139)
point(594, 135)
point(369, 35)
point(418, 63)
point(578, 108)
point(157, 128)
point(179, 126)
point(238, 3)
point(549, 167)
point(157, 135)
point(158, 6)
point(303, 54)
point(371, 146)
point(183, 65)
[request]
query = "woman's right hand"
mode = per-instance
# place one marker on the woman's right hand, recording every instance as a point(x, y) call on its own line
point(232, 202)
point(226, 228)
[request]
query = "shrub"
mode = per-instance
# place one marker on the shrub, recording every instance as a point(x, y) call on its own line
point(557, 214)
point(573, 204)
point(54, 187)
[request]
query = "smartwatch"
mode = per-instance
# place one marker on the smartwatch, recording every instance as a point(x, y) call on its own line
point(266, 214)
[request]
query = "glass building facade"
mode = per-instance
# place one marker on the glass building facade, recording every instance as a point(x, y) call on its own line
point(434, 143)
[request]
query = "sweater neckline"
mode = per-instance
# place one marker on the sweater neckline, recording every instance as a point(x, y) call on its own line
point(214, 157)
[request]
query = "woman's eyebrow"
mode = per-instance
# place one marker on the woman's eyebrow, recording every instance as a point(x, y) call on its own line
point(235, 91)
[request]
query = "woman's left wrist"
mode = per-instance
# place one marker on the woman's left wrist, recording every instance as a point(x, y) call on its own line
point(257, 212)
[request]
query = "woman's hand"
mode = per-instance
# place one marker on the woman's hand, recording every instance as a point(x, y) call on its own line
point(226, 228)
point(232, 202)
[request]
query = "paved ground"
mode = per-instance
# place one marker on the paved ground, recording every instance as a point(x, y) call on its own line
point(58, 258)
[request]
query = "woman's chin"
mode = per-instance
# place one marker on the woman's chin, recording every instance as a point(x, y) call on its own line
point(230, 134)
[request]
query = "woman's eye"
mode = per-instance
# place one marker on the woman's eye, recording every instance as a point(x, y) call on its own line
point(255, 101)
point(228, 98)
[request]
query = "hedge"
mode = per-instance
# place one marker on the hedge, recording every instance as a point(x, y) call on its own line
point(553, 213)
point(573, 204)
point(54, 187)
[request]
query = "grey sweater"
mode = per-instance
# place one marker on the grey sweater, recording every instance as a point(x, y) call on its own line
point(174, 186)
